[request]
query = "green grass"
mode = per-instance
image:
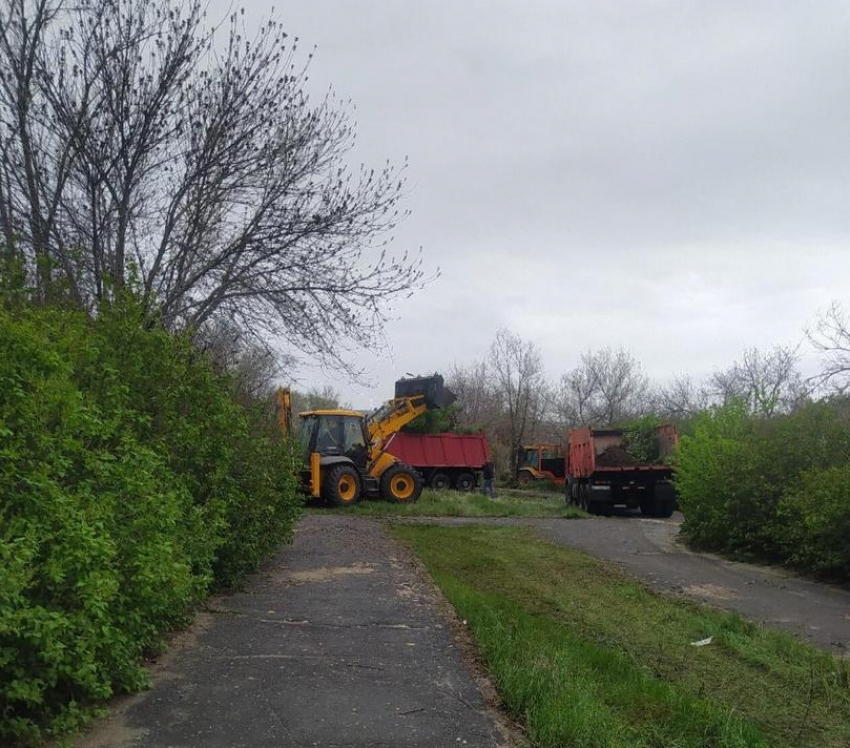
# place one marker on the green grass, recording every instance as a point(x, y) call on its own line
point(455, 504)
point(583, 656)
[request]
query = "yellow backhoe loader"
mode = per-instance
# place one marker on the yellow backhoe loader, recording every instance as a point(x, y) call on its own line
point(345, 457)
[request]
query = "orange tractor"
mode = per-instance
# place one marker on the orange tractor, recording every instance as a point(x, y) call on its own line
point(541, 462)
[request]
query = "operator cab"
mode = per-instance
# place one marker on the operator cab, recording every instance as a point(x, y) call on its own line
point(335, 432)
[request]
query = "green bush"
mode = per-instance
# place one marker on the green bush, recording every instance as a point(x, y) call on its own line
point(640, 439)
point(132, 484)
point(814, 521)
point(742, 478)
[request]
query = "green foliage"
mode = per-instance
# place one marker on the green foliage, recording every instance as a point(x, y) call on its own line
point(437, 421)
point(132, 485)
point(814, 521)
point(743, 482)
point(641, 440)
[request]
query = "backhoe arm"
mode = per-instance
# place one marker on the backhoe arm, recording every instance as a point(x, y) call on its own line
point(391, 417)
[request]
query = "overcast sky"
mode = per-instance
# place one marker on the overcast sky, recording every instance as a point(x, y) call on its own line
point(668, 176)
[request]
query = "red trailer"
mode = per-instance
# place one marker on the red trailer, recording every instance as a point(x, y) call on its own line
point(602, 474)
point(444, 460)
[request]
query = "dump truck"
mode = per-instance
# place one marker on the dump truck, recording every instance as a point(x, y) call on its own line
point(602, 474)
point(345, 456)
point(541, 462)
point(443, 460)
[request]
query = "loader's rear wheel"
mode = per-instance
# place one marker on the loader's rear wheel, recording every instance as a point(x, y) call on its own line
point(401, 484)
point(465, 482)
point(441, 482)
point(341, 486)
point(524, 478)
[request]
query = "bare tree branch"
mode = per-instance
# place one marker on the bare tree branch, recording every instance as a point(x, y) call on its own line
point(137, 150)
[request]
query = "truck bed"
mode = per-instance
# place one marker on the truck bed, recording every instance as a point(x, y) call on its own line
point(440, 450)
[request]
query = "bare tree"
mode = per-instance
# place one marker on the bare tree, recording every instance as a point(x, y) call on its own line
point(831, 337)
point(768, 382)
point(253, 370)
point(516, 370)
point(576, 395)
point(608, 386)
point(681, 397)
point(137, 151)
point(326, 398)
point(471, 384)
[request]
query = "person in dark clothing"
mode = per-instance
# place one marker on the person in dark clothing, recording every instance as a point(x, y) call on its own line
point(488, 487)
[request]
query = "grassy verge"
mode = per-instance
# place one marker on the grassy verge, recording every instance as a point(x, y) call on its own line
point(583, 656)
point(456, 504)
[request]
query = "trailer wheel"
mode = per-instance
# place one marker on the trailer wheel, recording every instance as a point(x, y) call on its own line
point(441, 482)
point(401, 484)
point(465, 482)
point(341, 486)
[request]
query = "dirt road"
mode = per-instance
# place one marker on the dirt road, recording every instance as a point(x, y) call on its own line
point(337, 642)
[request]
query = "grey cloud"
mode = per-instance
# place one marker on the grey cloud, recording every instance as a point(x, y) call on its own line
point(670, 176)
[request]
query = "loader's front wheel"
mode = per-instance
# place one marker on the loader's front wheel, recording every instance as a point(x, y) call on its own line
point(341, 486)
point(401, 484)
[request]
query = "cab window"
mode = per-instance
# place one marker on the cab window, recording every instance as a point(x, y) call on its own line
point(528, 458)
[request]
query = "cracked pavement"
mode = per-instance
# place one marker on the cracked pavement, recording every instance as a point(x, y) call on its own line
point(335, 642)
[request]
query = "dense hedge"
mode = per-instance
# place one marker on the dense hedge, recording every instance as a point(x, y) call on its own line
point(132, 484)
point(777, 488)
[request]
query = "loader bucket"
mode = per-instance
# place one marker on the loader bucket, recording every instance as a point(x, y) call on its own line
point(436, 394)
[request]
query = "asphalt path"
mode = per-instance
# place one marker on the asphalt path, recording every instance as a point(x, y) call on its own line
point(650, 549)
point(338, 641)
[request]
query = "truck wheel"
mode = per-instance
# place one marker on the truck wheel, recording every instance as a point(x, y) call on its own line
point(441, 482)
point(524, 478)
point(571, 493)
point(664, 508)
point(341, 486)
point(664, 500)
point(598, 508)
point(401, 484)
point(465, 482)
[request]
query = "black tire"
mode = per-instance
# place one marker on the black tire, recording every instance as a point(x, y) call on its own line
point(598, 508)
point(663, 500)
point(341, 485)
point(664, 508)
point(524, 478)
point(401, 484)
point(465, 482)
point(440, 481)
point(572, 495)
